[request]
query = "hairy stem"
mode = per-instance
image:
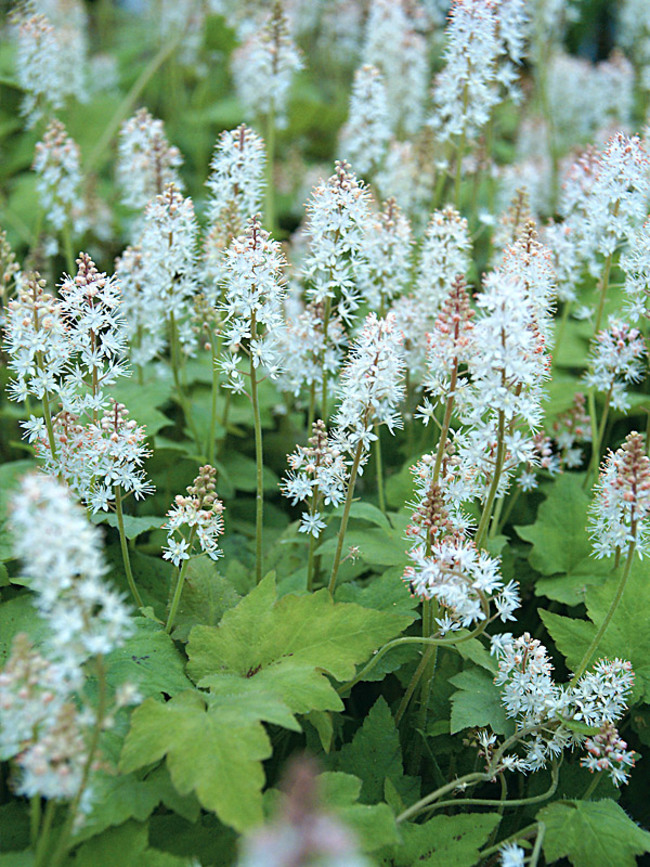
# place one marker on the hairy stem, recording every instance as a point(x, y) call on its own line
point(346, 515)
point(124, 546)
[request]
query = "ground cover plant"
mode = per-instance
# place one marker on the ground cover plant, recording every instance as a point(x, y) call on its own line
point(325, 488)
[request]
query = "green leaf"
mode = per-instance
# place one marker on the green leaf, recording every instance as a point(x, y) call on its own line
point(134, 526)
point(366, 512)
point(592, 834)
point(19, 615)
point(10, 476)
point(374, 826)
point(207, 595)
point(374, 754)
point(215, 751)
point(142, 401)
point(445, 840)
point(560, 540)
point(17, 859)
point(116, 799)
point(477, 702)
point(242, 472)
point(150, 660)
point(131, 842)
point(289, 645)
point(628, 633)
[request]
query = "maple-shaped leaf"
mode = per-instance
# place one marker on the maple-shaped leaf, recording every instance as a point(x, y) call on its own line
point(287, 646)
point(592, 834)
point(214, 747)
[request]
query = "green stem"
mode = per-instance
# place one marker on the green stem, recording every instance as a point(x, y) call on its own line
point(446, 422)
point(178, 590)
point(124, 546)
point(380, 471)
point(586, 659)
point(67, 247)
point(43, 845)
point(34, 818)
point(408, 639)
point(499, 802)
point(313, 541)
point(175, 356)
point(126, 106)
point(326, 323)
point(518, 835)
point(259, 460)
point(598, 439)
point(423, 803)
point(213, 412)
point(47, 415)
point(563, 321)
point(346, 515)
point(603, 287)
point(415, 679)
point(498, 466)
point(591, 788)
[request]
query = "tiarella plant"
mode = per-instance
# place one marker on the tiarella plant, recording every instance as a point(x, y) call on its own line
point(380, 269)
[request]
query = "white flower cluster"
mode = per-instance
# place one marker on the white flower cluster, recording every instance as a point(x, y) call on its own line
point(91, 305)
point(393, 45)
point(254, 283)
point(64, 566)
point(445, 253)
point(464, 581)
point(45, 81)
point(620, 513)
point(36, 341)
point(236, 186)
point(371, 385)
point(635, 262)
point(337, 216)
point(196, 517)
point(544, 710)
point(385, 268)
point(57, 166)
point(264, 66)
point(617, 358)
point(146, 162)
point(364, 138)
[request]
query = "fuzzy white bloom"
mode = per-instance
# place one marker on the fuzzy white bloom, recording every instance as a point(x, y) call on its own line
point(635, 262)
point(531, 262)
point(445, 254)
point(64, 566)
point(236, 174)
point(371, 385)
point(46, 81)
point(464, 581)
point(511, 855)
point(535, 701)
point(338, 213)
point(617, 358)
point(142, 314)
point(36, 340)
point(385, 267)
point(57, 166)
point(393, 45)
point(365, 136)
point(254, 292)
point(466, 90)
point(236, 186)
point(168, 249)
point(91, 304)
point(264, 66)
point(412, 318)
point(146, 162)
point(620, 514)
point(199, 516)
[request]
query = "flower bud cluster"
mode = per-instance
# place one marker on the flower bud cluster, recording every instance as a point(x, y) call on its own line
point(199, 516)
point(317, 471)
point(620, 513)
